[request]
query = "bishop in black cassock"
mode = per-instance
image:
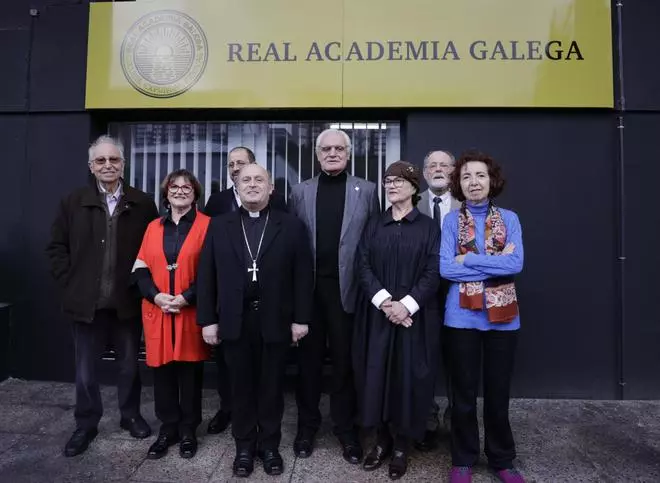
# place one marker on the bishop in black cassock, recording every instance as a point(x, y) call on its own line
point(255, 284)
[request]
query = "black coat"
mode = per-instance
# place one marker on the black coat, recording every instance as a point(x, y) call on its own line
point(286, 280)
point(225, 202)
point(76, 250)
point(395, 366)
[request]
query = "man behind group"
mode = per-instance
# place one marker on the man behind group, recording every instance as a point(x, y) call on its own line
point(335, 207)
point(437, 202)
point(219, 203)
point(95, 240)
point(255, 284)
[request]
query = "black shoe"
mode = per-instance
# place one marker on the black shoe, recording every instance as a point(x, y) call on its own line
point(303, 445)
point(137, 426)
point(243, 463)
point(398, 465)
point(377, 456)
point(429, 443)
point(219, 423)
point(352, 451)
point(79, 441)
point(159, 448)
point(188, 446)
point(272, 460)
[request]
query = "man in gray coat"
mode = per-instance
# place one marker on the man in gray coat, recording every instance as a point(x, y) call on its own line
point(436, 202)
point(335, 208)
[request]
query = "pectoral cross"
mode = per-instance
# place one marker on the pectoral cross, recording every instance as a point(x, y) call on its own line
point(254, 270)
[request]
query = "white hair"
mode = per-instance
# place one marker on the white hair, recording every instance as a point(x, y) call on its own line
point(428, 155)
point(105, 139)
point(347, 139)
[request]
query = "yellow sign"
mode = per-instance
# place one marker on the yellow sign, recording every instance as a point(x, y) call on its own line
point(349, 53)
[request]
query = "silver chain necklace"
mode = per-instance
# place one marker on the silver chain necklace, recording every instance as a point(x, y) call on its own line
point(254, 268)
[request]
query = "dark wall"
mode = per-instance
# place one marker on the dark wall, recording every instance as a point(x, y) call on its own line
point(44, 132)
point(641, 340)
point(641, 41)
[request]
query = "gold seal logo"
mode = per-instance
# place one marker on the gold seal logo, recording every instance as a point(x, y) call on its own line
point(164, 53)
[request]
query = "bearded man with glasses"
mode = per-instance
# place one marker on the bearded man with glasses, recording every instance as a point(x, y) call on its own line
point(94, 242)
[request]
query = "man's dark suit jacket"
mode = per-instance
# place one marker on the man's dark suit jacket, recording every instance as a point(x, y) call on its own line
point(225, 202)
point(286, 279)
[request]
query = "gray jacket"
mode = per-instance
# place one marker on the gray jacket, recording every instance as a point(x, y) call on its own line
point(360, 204)
point(423, 205)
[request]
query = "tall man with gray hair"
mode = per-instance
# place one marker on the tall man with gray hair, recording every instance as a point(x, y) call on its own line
point(335, 207)
point(437, 202)
point(94, 242)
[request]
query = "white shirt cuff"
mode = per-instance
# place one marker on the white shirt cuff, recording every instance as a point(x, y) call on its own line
point(380, 297)
point(410, 304)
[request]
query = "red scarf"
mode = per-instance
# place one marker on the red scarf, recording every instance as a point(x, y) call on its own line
point(501, 300)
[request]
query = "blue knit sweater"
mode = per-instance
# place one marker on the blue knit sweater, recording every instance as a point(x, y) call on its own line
point(477, 267)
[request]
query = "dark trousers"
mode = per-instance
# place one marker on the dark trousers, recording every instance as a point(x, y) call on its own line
point(256, 370)
point(224, 383)
point(334, 327)
point(90, 341)
point(472, 351)
point(178, 397)
point(433, 422)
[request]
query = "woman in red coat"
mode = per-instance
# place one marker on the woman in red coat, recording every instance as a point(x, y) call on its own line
point(165, 271)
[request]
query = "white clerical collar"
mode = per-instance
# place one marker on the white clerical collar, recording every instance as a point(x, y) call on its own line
point(254, 214)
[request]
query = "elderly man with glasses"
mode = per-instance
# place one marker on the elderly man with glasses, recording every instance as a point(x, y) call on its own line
point(95, 240)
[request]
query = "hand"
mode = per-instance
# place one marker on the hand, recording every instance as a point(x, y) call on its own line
point(460, 258)
point(179, 302)
point(408, 322)
point(166, 302)
point(386, 306)
point(399, 313)
point(210, 334)
point(298, 331)
point(508, 249)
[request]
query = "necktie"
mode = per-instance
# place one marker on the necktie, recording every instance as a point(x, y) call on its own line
point(437, 215)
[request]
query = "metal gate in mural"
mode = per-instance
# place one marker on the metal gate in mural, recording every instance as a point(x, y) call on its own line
point(285, 149)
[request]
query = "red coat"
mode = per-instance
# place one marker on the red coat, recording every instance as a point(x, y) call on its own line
point(188, 342)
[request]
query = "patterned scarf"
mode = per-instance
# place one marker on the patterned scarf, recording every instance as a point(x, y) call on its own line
point(501, 300)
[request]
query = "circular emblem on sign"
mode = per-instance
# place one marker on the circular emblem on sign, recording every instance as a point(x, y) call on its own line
point(164, 53)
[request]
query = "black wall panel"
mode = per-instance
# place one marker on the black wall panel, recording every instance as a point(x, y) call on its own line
point(59, 58)
point(560, 169)
point(14, 45)
point(642, 316)
point(57, 156)
point(641, 43)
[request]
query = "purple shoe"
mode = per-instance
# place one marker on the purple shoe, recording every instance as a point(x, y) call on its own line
point(460, 474)
point(510, 476)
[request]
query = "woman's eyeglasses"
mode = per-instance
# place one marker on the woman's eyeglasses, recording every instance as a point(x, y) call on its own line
point(186, 189)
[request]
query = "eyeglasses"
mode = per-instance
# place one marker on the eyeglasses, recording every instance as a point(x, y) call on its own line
point(327, 149)
point(186, 189)
point(396, 182)
point(101, 160)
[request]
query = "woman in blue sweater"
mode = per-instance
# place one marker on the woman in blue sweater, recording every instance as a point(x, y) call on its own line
point(481, 250)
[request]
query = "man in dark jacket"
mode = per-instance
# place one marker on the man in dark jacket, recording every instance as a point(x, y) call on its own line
point(95, 240)
point(254, 292)
point(227, 201)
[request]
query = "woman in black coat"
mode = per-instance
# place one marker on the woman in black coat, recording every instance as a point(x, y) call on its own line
point(397, 321)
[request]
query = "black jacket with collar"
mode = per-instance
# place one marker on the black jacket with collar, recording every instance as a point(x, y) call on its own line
point(286, 277)
point(77, 246)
